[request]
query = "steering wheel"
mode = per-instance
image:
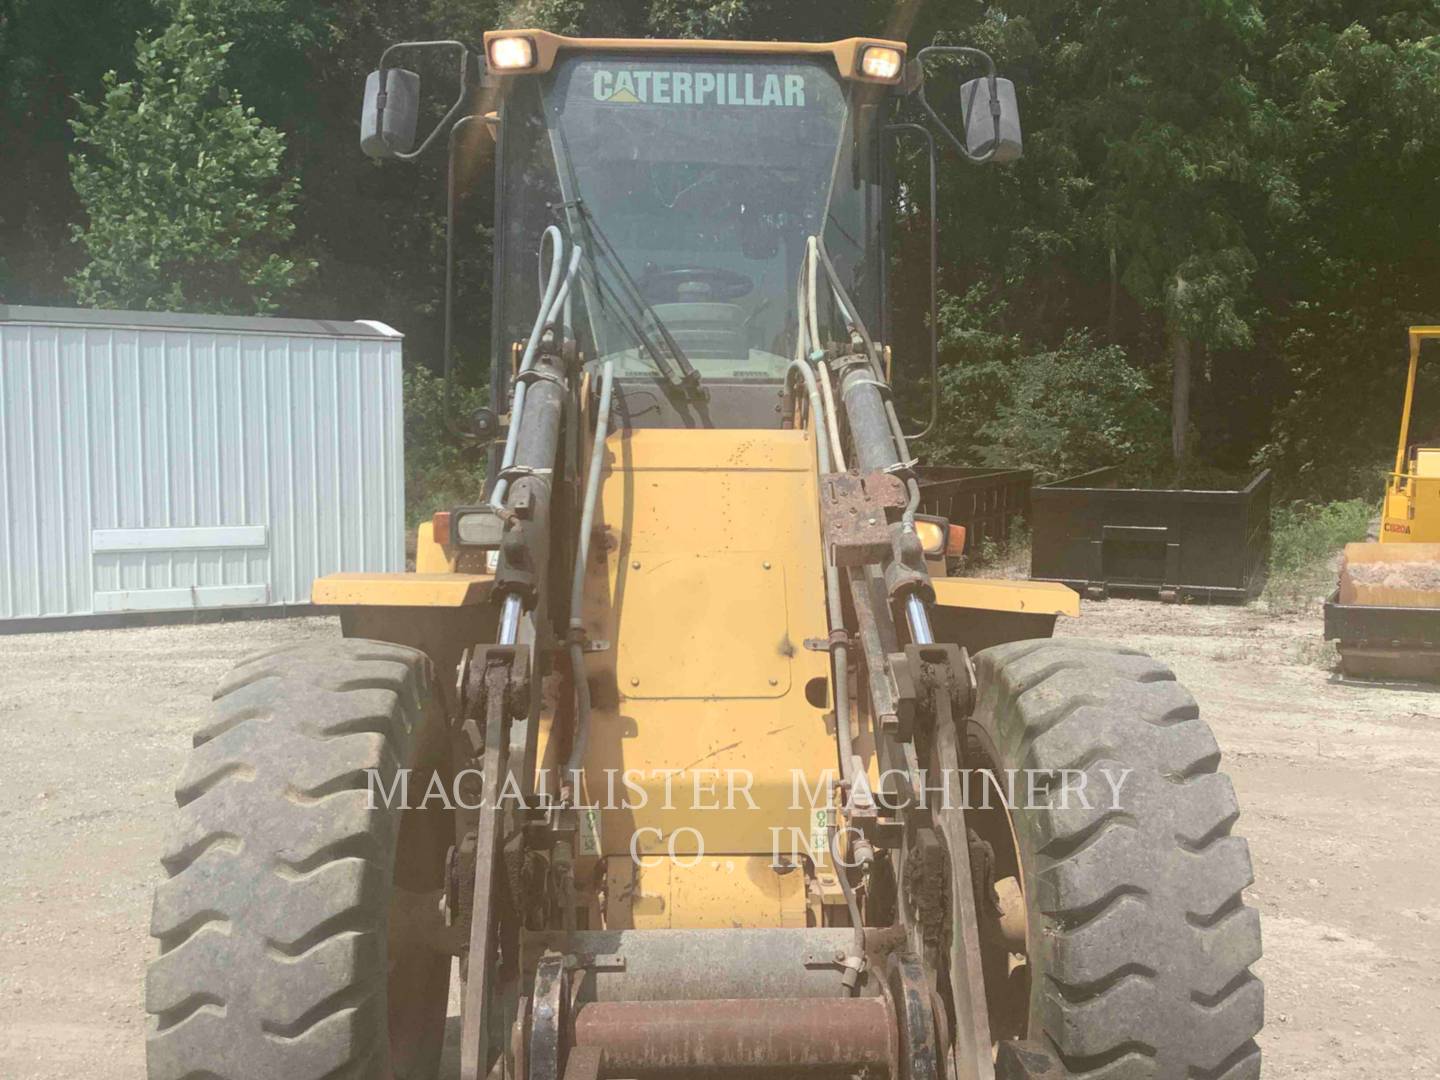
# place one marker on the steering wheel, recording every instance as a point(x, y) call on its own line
point(663, 286)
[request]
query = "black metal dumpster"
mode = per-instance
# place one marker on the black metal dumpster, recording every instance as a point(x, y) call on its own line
point(1096, 537)
point(985, 501)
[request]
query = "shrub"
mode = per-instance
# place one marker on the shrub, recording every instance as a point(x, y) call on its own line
point(441, 470)
point(1304, 541)
point(186, 203)
point(1059, 411)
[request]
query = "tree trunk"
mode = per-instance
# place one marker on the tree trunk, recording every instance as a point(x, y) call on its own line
point(1179, 396)
point(1110, 317)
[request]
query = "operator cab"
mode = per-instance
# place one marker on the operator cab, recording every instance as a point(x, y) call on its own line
point(692, 182)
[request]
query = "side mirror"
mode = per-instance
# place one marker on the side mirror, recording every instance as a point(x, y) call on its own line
point(980, 120)
point(387, 122)
point(990, 114)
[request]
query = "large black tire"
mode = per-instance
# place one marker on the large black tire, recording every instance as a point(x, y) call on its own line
point(278, 951)
point(1139, 941)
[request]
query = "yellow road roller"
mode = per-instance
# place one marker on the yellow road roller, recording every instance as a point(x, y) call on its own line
point(1385, 613)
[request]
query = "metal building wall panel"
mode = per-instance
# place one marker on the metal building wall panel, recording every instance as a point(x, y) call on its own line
point(152, 462)
point(178, 539)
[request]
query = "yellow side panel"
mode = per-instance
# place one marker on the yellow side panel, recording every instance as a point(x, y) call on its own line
point(1395, 524)
point(701, 727)
point(402, 590)
point(704, 658)
point(1426, 521)
point(1412, 515)
point(996, 594)
point(430, 557)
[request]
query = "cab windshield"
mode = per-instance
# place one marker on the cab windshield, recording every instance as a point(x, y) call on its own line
point(693, 184)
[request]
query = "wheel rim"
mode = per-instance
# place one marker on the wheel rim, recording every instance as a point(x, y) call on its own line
point(1007, 968)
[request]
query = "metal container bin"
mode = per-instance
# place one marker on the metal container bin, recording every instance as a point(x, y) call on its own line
point(985, 501)
point(1174, 543)
point(157, 462)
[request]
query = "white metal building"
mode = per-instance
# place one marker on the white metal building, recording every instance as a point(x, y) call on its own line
point(155, 462)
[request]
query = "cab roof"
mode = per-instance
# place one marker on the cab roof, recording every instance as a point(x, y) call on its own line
point(845, 53)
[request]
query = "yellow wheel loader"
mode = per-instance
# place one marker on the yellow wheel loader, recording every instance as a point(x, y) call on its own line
point(1385, 614)
point(672, 753)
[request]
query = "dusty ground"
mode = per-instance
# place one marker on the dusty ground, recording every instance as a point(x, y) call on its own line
point(1338, 786)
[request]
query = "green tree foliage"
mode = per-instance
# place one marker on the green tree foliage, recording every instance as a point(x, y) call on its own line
point(1059, 411)
point(271, 43)
point(1360, 87)
point(50, 52)
point(1151, 157)
point(182, 187)
point(1245, 186)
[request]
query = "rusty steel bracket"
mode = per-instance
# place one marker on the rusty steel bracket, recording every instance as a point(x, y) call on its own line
point(842, 358)
point(891, 704)
point(839, 638)
point(497, 692)
point(942, 678)
point(971, 1047)
point(577, 636)
point(460, 882)
point(876, 632)
point(856, 511)
point(906, 573)
point(514, 694)
point(550, 1018)
point(863, 815)
point(922, 1056)
point(1016, 1060)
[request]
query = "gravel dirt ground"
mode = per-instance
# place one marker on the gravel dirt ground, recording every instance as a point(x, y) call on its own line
point(1339, 786)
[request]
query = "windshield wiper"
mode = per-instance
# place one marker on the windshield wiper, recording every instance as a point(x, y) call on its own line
point(688, 380)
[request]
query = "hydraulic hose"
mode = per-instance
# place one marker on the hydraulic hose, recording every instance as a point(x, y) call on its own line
point(552, 286)
point(561, 306)
point(848, 888)
point(555, 296)
point(915, 613)
point(807, 345)
point(832, 418)
point(838, 652)
point(577, 586)
point(852, 315)
point(556, 291)
point(817, 411)
point(811, 265)
point(802, 337)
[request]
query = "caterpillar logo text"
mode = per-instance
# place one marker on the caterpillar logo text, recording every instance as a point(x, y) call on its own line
point(630, 86)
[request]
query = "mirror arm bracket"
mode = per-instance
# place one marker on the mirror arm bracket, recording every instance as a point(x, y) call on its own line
point(447, 405)
point(466, 85)
point(455, 126)
point(990, 76)
point(929, 137)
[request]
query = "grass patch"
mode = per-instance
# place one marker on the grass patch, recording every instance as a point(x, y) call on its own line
point(1305, 539)
point(1320, 654)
